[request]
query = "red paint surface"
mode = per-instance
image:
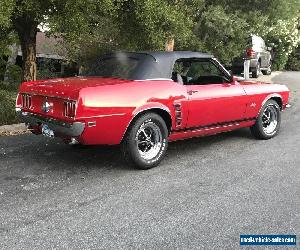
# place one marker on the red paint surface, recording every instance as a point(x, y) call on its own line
point(113, 104)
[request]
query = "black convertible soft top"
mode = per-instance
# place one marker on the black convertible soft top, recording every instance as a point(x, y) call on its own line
point(142, 65)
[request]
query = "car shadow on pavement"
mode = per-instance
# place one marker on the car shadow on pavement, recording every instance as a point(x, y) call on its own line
point(85, 157)
point(54, 155)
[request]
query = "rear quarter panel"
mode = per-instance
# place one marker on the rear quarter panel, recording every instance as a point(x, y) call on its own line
point(259, 93)
point(113, 107)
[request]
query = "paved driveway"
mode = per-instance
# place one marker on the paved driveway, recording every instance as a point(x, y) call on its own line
point(205, 193)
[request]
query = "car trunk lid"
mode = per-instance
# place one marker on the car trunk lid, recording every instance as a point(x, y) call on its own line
point(58, 98)
point(66, 87)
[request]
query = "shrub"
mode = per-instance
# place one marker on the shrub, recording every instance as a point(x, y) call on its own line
point(294, 61)
point(7, 105)
point(48, 69)
point(286, 37)
point(46, 74)
point(14, 75)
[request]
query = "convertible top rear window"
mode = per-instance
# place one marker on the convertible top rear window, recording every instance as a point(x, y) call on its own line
point(139, 65)
point(118, 67)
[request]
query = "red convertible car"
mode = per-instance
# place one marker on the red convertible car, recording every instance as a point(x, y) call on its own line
point(145, 100)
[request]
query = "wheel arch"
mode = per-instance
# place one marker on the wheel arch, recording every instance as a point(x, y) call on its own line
point(164, 113)
point(278, 100)
point(276, 97)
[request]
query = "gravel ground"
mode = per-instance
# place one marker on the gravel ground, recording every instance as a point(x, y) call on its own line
point(205, 193)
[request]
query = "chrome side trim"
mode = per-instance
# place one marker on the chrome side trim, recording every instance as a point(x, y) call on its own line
point(158, 107)
point(214, 126)
point(100, 116)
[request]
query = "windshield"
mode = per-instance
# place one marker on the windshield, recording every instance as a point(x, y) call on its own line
point(118, 67)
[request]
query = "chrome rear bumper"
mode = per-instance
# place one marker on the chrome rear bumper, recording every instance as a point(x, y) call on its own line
point(60, 128)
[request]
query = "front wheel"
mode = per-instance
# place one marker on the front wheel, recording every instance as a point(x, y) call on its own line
point(268, 121)
point(146, 141)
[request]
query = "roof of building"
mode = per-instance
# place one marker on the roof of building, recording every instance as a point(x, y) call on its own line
point(47, 47)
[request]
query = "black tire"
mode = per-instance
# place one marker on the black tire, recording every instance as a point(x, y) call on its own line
point(268, 71)
point(256, 72)
point(147, 131)
point(260, 129)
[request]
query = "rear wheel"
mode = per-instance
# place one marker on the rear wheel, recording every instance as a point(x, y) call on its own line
point(256, 72)
point(268, 122)
point(268, 71)
point(146, 141)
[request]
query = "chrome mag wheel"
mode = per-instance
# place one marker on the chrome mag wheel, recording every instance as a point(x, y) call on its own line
point(149, 140)
point(146, 141)
point(269, 119)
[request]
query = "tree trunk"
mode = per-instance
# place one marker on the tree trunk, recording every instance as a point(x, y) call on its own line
point(169, 44)
point(27, 30)
point(28, 46)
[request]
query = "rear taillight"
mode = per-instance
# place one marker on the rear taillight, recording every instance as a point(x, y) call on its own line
point(251, 53)
point(69, 109)
point(26, 101)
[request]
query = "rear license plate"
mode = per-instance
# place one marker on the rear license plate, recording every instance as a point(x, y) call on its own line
point(46, 131)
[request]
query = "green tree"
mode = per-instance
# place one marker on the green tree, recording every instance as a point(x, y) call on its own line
point(136, 25)
point(221, 33)
point(24, 16)
point(6, 39)
point(93, 27)
point(147, 24)
point(223, 26)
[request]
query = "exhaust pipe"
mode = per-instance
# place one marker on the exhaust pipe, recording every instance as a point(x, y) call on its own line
point(73, 141)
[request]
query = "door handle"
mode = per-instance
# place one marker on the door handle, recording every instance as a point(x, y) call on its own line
point(190, 92)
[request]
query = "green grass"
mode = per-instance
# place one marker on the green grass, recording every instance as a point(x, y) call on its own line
point(8, 96)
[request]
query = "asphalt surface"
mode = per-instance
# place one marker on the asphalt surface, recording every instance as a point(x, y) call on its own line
point(206, 192)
